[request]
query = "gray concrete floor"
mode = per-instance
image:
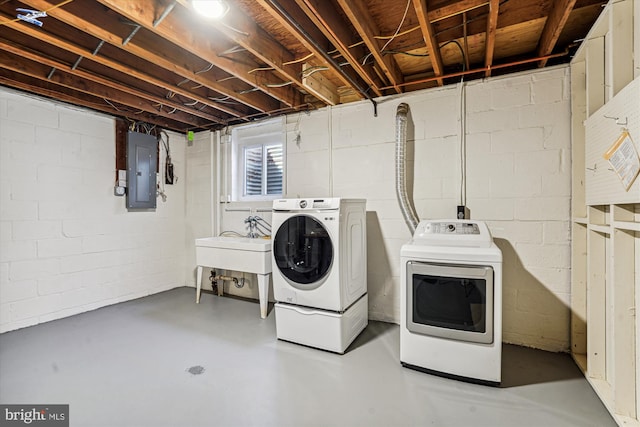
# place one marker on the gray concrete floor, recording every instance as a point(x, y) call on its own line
point(165, 361)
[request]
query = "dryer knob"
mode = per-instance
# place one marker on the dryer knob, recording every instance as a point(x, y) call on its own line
point(303, 204)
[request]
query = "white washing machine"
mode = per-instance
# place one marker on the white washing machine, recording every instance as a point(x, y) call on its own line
point(451, 301)
point(319, 271)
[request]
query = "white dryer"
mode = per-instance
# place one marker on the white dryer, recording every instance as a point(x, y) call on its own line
point(319, 271)
point(451, 301)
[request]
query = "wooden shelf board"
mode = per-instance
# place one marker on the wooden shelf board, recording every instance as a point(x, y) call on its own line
point(582, 221)
point(626, 225)
point(600, 228)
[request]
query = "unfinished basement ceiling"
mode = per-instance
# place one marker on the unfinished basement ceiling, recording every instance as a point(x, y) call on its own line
point(160, 63)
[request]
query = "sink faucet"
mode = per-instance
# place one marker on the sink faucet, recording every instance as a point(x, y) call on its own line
point(252, 221)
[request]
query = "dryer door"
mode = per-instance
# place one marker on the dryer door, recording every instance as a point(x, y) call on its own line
point(303, 251)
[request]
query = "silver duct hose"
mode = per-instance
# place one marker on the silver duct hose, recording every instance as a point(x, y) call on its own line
point(406, 206)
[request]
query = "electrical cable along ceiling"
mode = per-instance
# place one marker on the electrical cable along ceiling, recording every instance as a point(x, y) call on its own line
point(160, 62)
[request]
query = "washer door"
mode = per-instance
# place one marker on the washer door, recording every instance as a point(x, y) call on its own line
point(303, 251)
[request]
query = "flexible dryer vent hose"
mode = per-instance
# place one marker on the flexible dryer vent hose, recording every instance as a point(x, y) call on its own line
point(406, 205)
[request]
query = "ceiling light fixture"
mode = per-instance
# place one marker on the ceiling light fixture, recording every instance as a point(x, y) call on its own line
point(215, 9)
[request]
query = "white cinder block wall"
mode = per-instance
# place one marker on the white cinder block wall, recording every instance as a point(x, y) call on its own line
point(517, 179)
point(67, 244)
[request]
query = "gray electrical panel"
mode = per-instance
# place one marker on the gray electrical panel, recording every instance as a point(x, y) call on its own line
point(142, 166)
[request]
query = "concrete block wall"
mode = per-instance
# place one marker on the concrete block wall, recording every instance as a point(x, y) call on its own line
point(517, 145)
point(200, 184)
point(67, 244)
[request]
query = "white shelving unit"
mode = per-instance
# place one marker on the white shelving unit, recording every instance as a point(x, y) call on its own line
point(605, 288)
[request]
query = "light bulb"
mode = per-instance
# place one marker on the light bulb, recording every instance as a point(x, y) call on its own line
point(211, 8)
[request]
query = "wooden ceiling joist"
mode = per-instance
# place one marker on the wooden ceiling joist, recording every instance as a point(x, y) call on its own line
point(429, 38)
point(52, 90)
point(332, 25)
point(83, 53)
point(455, 8)
point(101, 81)
point(179, 33)
point(259, 102)
point(490, 39)
point(553, 27)
point(45, 69)
point(363, 23)
point(246, 33)
point(312, 38)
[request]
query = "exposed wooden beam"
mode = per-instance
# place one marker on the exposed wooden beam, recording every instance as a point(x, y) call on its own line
point(254, 100)
point(52, 90)
point(429, 38)
point(490, 39)
point(455, 8)
point(553, 27)
point(323, 15)
point(312, 34)
point(360, 18)
point(34, 65)
point(243, 31)
point(87, 54)
point(195, 40)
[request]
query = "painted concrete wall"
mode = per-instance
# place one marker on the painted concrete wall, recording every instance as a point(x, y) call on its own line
point(517, 179)
point(67, 244)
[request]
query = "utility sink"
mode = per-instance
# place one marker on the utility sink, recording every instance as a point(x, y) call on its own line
point(250, 255)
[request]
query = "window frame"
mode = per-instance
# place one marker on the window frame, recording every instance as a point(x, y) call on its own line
point(263, 134)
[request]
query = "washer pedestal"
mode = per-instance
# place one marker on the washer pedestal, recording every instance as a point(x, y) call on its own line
point(326, 330)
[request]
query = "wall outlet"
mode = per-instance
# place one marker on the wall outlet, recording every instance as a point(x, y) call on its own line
point(462, 212)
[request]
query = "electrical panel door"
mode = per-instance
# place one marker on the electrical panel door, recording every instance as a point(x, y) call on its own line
point(142, 152)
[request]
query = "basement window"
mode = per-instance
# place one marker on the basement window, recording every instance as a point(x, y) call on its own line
point(258, 159)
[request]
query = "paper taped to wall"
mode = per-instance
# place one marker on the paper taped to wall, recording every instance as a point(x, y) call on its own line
point(623, 158)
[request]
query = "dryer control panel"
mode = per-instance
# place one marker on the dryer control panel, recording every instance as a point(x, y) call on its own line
point(451, 228)
point(452, 233)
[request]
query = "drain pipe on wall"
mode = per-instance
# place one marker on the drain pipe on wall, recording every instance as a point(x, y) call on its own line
point(406, 205)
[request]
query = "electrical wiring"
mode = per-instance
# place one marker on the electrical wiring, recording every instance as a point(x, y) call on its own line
point(233, 49)
point(406, 9)
point(253, 89)
point(405, 32)
point(204, 70)
point(260, 69)
point(312, 70)
point(226, 79)
point(223, 100)
point(234, 29)
point(457, 43)
point(295, 61)
point(113, 106)
point(398, 52)
point(283, 84)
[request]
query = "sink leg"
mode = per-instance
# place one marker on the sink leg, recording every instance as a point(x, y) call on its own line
point(198, 284)
point(263, 293)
